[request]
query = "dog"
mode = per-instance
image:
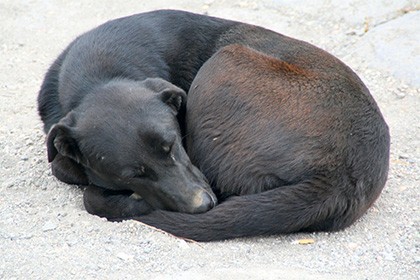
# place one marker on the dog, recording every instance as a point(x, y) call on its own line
point(288, 137)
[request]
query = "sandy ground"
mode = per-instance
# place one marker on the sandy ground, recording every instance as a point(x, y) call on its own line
point(46, 234)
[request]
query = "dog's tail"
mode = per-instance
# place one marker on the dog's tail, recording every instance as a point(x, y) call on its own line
point(308, 206)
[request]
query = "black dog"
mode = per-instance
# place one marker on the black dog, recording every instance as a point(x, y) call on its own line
point(289, 136)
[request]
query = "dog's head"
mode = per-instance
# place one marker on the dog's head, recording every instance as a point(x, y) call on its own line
point(126, 136)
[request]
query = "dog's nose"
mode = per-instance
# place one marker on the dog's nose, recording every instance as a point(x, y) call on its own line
point(203, 202)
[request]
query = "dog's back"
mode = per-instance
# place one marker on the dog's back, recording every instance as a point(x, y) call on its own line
point(168, 44)
point(171, 45)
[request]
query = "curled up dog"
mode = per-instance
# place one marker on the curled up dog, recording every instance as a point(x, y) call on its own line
point(280, 136)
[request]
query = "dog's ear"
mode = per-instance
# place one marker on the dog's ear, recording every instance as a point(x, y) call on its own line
point(176, 99)
point(61, 140)
point(64, 153)
point(170, 94)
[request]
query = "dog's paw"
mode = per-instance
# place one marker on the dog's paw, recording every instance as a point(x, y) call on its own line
point(114, 205)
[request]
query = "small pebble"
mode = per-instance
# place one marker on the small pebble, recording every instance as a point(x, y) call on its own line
point(124, 256)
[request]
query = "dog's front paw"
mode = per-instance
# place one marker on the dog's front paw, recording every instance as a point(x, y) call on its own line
point(114, 205)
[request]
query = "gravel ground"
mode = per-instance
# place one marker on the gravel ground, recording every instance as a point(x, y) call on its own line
point(45, 233)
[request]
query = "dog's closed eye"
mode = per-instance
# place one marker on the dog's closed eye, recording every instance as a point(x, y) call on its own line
point(166, 148)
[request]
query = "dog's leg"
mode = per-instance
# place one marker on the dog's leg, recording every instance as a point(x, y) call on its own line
point(68, 171)
point(114, 205)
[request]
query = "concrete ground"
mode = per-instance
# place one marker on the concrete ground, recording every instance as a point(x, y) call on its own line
point(45, 233)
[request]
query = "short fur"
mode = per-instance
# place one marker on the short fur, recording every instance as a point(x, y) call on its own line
point(300, 166)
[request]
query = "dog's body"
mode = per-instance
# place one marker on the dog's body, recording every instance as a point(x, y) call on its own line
point(289, 136)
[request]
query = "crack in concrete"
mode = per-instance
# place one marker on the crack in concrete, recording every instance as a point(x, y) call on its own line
point(398, 14)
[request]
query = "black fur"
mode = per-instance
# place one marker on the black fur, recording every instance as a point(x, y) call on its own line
point(109, 126)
